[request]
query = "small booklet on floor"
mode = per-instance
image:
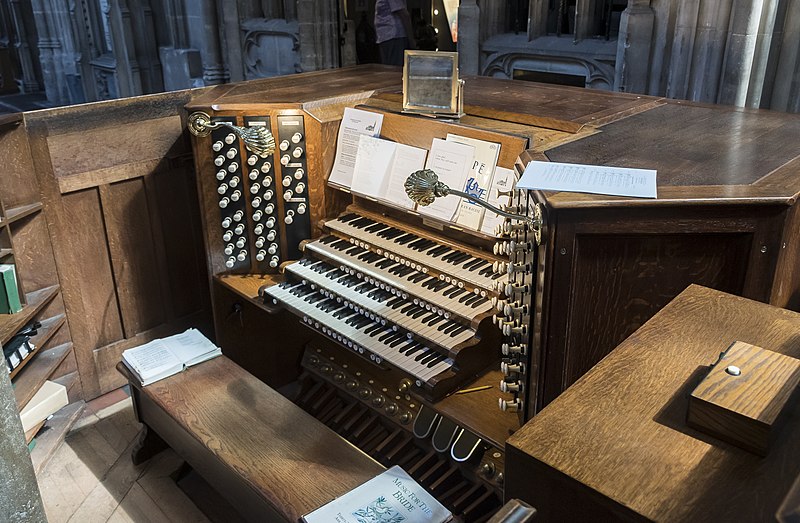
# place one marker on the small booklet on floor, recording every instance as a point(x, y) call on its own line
point(390, 497)
point(164, 357)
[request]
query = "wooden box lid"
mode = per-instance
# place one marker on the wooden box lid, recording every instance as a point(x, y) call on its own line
point(743, 396)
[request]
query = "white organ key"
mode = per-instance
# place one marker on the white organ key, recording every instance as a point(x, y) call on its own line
point(402, 283)
point(345, 225)
point(307, 305)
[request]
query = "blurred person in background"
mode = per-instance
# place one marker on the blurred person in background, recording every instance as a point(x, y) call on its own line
point(394, 31)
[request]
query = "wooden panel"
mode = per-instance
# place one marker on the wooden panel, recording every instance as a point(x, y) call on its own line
point(786, 287)
point(617, 442)
point(133, 257)
point(100, 312)
point(33, 253)
point(620, 282)
point(178, 230)
point(15, 183)
point(98, 155)
point(420, 132)
point(243, 330)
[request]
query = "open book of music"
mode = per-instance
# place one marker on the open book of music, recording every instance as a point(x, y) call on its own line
point(390, 497)
point(164, 357)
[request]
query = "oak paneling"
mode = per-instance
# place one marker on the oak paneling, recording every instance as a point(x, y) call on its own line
point(133, 260)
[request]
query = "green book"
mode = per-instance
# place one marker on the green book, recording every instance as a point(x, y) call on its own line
point(9, 300)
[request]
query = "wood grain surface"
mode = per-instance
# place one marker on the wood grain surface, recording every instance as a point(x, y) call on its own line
point(744, 409)
point(286, 456)
point(616, 443)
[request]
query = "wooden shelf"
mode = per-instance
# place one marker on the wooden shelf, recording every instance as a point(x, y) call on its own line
point(247, 285)
point(54, 432)
point(11, 323)
point(8, 120)
point(17, 213)
point(39, 370)
point(68, 380)
point(6, 252)
point(46, 331)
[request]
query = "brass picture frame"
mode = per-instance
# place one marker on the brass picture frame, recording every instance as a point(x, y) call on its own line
point(431, 85)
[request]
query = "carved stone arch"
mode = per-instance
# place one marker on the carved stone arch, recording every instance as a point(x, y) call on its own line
point(598, 75)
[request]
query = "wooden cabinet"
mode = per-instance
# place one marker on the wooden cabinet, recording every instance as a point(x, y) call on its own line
point(616, 446)
point(25, 242)
point(726, 217)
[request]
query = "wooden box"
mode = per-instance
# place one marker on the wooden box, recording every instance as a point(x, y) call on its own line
point(744, 396)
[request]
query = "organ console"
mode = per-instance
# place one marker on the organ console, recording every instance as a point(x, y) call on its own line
point(400, 312)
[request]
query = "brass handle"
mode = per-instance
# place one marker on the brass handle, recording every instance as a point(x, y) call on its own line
point(257, 139)
point(423, 187)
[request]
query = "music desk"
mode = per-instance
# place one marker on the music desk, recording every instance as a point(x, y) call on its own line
point(615, 445)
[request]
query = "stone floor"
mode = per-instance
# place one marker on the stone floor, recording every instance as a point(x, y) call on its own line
point(91, 476)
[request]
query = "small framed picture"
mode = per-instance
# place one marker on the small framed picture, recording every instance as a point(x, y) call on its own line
point(431, 84)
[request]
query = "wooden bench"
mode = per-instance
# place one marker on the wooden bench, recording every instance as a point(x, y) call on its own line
point(268, 457)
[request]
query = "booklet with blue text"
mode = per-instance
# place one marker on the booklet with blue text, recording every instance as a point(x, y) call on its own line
point(391, 497)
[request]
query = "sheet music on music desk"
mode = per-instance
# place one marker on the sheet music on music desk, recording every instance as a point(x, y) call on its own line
point(355, 122)
point(479, 181)
point(451, 162)
point(373, 161)
point(595, 179)
point(407, 159)
point(382, 168)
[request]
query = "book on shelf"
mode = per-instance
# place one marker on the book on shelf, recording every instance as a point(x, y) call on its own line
point(9, 293)
point(47, 400)
point(390, 497)
point(163, 357)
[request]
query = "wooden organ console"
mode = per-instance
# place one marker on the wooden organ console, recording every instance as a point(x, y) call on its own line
point(373, 318)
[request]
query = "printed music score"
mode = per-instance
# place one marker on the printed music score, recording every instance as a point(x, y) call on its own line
point(594, 179)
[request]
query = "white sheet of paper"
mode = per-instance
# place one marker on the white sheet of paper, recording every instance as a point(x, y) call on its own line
point(372, 166)
point(355, 122)
point(504, 180)
point(594, 179)
point(479, 181)
point(407, 159)
point(451, 162)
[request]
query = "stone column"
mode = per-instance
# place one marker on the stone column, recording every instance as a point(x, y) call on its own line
point(231, 39)
point(584, 19)
point(319, 38)
point(664, 27)
point(20, 501)
point(469, 19)
point(633, 47)
point(129, 81)
point(145, 46)
point(19, 12)
point(682, 49)
point(201, 18)
point(493, 18)
point(786, 87)
point(537, 18)
point(709, 50)
point(746, 52)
